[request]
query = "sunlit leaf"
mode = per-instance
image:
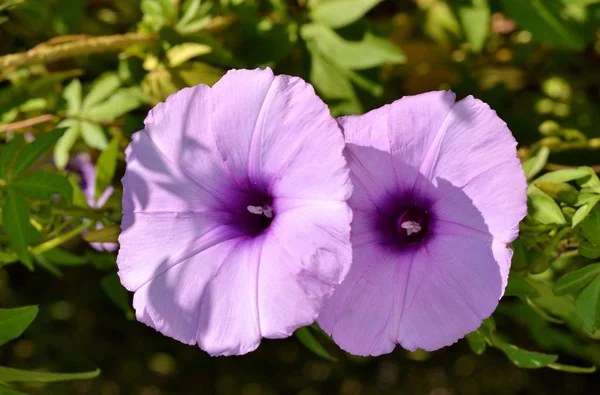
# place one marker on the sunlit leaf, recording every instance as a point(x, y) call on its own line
point(103, 87)
point(181, 53)
point(370, 52)
point(338, 13)
point(105, 167)
point(93, 135)
point(543, 208)
point(524, 358)
point(72, 94)
point(534, 165)
point(475, 22)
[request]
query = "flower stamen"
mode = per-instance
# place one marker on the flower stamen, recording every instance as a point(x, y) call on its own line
point(411, 227)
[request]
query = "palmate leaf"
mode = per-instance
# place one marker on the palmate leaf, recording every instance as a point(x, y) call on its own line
point(475, 21)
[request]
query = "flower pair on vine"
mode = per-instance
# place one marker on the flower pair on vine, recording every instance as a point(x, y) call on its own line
point(248, 212)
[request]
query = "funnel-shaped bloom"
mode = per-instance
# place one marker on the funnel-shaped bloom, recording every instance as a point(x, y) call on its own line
point(235, 221)
point(438, 194)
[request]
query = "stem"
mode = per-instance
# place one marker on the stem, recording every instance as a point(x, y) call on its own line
point(57, 241)
point(87, 46)
point(26, 123)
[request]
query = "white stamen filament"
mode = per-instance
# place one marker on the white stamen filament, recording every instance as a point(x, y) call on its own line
point(265, 210)
point(411, 227)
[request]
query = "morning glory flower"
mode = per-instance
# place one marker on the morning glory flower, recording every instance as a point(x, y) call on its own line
point(438, 195)
point(235, 222)
point(82, 165)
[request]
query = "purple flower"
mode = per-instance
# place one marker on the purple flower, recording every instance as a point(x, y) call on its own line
point(438, 195)
point(83, 165)
point(235, 221)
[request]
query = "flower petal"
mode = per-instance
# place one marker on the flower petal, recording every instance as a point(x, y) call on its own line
point(362, 315)
point(281, 127)
point(449, 292)
point(151, 243)
point(477, 153)
point(407, 127)
point(305, 255)
point(152, 183)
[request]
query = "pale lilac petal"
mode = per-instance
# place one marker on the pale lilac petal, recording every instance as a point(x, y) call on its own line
point(305, 255)
point(454, 284)
point(407, 127)
point(172, 301)
point(154, 184)
point(277, 140)
point(152, 243)
point(476, 152)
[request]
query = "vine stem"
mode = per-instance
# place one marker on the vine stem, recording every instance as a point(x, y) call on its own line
point(84, 46)
point(59, 240)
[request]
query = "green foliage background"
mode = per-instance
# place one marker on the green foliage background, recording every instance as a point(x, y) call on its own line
point(80, 75)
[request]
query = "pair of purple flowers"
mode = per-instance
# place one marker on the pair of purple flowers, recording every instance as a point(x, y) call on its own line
point(246, 215)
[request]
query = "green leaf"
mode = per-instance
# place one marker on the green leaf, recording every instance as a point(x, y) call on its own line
point(518, 286)
point(338, 13)
point(10, 374)
point(332, 84)
point(534, 165)
point(562, 192)
point(590, 227)
point(15, 215)
point(43, 185)
point(571, 369)
point(8, 153)
point(583, 211)
point(370, 52)
point(93, 135)
point(475, 22)
point(589, 250)
point(62, 257)
point(72, 94)
point(34, 150)
point(543, 208)
point(524, 358)
point(575, 281)
point(477, 342)
point(587, 305)
point(9, 391)
point(14, 321)
point(564, 175)
point(105, 167)
point(119, 104)
point(110, 234)
point(103, 87)
point(545, 20)
point(66, 142)
point(306, 337)
point(179, 54)
point(111, 285)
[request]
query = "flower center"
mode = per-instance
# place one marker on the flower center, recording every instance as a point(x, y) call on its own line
point(257, 214)
point(266, 210)
point(412, 224)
